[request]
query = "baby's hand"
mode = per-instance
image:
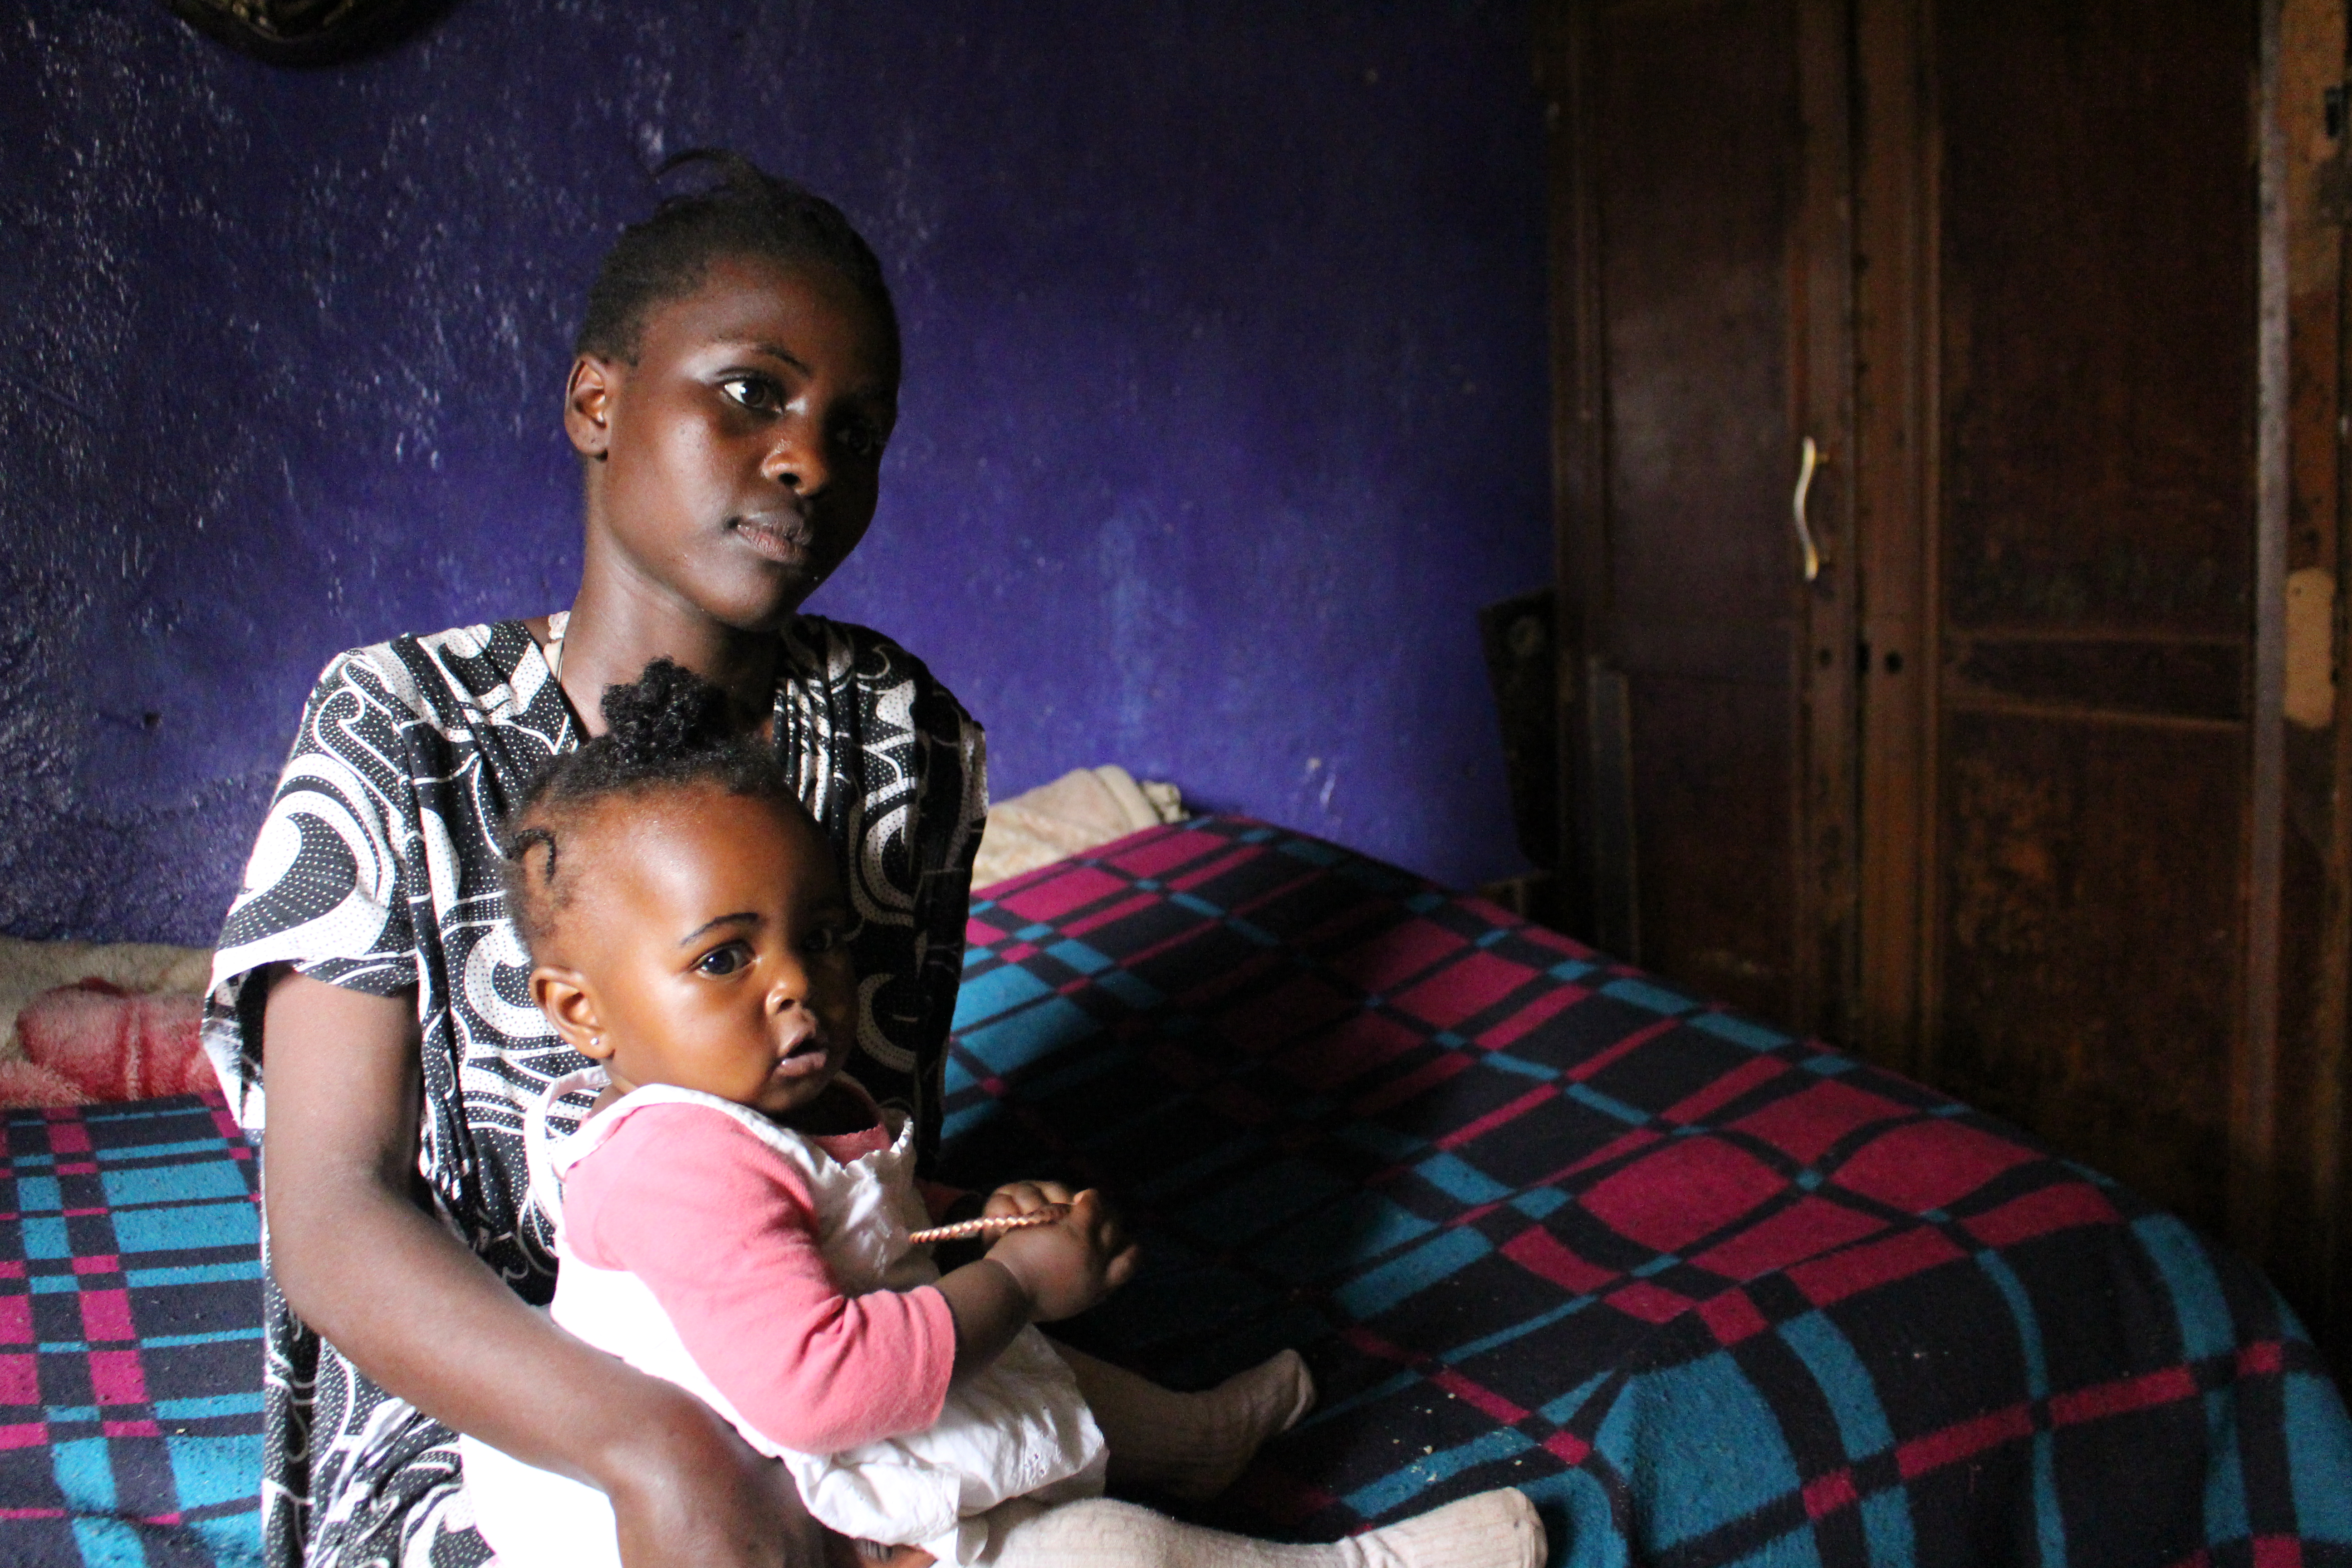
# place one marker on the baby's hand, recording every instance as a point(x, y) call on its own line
point(1024, 1197)
point(1068, 1266)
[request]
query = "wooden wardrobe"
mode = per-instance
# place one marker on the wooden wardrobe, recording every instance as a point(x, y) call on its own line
point(2024, 772)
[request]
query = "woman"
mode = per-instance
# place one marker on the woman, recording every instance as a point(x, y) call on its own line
point(734, 386)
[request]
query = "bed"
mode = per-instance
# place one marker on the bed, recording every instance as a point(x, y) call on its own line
point(1710, 1294)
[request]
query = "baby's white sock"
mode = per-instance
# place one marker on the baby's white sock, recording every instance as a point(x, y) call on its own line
point(1492, 1530)
point(1190, 1446)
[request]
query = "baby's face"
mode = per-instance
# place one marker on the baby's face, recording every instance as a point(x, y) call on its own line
point(708, 937)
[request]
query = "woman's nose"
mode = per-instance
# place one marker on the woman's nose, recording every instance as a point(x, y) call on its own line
point(796, 457)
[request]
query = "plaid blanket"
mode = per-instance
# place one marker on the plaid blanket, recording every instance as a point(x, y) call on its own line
point(130, 1337)
point(1709, 1294)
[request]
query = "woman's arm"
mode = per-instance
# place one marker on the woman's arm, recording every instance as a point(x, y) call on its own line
point(364, 1263)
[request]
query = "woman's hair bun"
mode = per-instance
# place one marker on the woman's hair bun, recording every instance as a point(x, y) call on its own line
point(738, 178)
point(725, 204)
point(669, 714)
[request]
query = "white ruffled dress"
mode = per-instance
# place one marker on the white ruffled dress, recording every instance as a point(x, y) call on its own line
point(1018, 1429)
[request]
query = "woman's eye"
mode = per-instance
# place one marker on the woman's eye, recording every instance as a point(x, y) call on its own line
point(863, 441)
point(723, 960)
point(829, 939)
point(754, 392)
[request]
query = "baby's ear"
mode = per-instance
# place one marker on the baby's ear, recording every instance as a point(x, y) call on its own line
point(562, 995)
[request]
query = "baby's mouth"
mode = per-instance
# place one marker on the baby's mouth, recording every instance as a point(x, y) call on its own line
point(800, 1064)
point(803, 1055)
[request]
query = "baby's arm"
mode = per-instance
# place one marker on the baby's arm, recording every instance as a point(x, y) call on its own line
point(1036, 1275)
point(720, 1228)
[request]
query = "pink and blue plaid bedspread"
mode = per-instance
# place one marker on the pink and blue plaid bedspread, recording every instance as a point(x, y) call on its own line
point(130, 1337)
point(1709, 1294)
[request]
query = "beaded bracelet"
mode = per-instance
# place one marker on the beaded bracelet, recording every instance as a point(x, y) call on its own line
point(993, 1225)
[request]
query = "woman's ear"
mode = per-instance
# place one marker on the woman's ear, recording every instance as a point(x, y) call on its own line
point(588, 405)
point(563, 995)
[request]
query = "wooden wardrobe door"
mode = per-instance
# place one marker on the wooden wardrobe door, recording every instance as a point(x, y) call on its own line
point(2062, 697)
point(1702, 256)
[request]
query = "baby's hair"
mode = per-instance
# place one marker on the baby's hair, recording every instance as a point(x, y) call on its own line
point(747, 212)
point(668, 729)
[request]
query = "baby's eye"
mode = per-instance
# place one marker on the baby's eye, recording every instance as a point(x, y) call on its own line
point(754, 392)
point(723, 961)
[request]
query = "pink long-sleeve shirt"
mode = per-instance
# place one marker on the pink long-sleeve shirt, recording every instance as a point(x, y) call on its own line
point(723, 1230)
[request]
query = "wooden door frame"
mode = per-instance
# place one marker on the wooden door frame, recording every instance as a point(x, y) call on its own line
point(2290, 1126)
point(1899, 376)
point(1865, 366)
point(2286, 1122)
point(1898, 423)
point(2254, 1064)
point(1579, 457)
point(1828, 643)
point(1597, 853)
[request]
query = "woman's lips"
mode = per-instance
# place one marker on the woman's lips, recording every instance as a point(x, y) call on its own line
point(783, 537)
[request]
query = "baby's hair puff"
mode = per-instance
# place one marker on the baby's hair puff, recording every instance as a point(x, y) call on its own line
point(667, 731)
point(745, 212)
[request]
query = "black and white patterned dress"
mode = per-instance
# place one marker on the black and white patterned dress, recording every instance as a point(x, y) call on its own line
point(377, 868)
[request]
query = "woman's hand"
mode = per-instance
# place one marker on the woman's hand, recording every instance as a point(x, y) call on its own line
point(1067, 1267)
point(697, 1493)
point(361, 1258)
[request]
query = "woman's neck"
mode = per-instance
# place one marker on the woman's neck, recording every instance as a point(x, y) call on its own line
point(618, 626)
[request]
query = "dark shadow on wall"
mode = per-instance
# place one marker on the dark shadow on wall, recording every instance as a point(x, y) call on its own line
point(309, 33)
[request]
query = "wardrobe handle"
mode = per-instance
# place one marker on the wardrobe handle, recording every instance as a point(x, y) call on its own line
point(1811, 460)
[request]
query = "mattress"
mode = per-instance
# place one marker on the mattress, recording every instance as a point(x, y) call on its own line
point(1708, 1293)
point(130, 1337)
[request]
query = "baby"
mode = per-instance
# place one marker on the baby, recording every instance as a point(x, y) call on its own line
point(734, 1213)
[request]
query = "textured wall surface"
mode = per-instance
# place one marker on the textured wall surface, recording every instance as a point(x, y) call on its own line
point(1224, 402)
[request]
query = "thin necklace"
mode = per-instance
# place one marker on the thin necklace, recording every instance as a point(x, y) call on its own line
point(557, 624)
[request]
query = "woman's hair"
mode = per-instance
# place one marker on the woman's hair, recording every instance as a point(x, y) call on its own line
point(667, 731)
point(746, 212)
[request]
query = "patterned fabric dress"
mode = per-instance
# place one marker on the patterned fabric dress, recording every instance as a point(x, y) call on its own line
point(377, 868)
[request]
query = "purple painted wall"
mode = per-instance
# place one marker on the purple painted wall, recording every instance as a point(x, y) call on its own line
point(1224, 403)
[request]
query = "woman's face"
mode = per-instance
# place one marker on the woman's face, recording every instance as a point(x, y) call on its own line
point(737, 462)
